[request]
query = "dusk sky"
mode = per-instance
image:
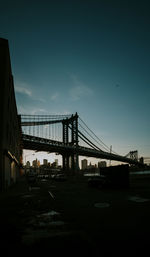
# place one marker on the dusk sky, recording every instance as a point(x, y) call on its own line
point(90, 57)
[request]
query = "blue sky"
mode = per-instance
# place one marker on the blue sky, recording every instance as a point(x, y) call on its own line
point(90, 57)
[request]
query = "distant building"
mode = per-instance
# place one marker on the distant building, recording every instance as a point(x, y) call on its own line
point(10, 129)
point(35, 163)
point(27, 164)
point(45, 162)
point(102, 164)
point(56, 161)
point(53, 165)
point(84, 164)
point(91, 166)
point(38, 163)
point(142, 160)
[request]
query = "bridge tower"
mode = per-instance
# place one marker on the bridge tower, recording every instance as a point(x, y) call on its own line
point(71, 160)
point(133, 155)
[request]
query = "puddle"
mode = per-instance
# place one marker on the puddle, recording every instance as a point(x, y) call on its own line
point(48, 214)
point(138, 199)
point(34, 188)
point(46, 220)
point(27, 196)
point(50, 224)
point(31, 236)
point(51, 194)
point(57, 223)
point(42, 226)
point(102, 205)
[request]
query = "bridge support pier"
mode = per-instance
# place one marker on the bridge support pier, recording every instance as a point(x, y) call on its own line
point(71, 159)
point(70, 162)
point(74, 142)
point(74, 162)
point(65, 162)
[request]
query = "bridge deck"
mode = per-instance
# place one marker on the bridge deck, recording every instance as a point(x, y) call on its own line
point(47, 145)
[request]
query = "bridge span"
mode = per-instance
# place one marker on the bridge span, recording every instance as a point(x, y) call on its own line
point(67, 136)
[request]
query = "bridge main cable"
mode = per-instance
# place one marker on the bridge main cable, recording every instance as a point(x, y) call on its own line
point(101, 143)
point(37, 123)
point(89, 142)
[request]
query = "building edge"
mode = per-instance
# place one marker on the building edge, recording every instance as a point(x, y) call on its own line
point(10, 130)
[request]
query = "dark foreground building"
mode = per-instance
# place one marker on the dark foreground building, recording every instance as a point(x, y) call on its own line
point(10, 129)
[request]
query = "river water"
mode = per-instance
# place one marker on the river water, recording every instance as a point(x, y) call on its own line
point(144, 172)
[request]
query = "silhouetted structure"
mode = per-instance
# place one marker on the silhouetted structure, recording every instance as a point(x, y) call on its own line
point(10, 134)
point(84, 164)
point(116, 176)
point(67, 139)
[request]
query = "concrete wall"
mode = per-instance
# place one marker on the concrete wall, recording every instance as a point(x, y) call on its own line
point(10, 131)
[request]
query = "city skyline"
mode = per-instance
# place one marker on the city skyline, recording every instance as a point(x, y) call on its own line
point(90, 57)
point(84, 163)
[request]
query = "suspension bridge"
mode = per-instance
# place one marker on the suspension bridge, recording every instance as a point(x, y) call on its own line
point(69, 136)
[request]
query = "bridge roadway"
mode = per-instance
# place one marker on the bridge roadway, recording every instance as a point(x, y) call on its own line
point(48, 145)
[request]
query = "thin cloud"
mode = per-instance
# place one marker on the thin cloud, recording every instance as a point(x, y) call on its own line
point(63, 112)
point(31, 110)
point(41, 100)
point(23, 88)
point(21, 109)
point(79, 90)
point(54, 96)
point(37, 111)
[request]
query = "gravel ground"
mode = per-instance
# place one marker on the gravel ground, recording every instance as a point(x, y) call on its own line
point(69, 217)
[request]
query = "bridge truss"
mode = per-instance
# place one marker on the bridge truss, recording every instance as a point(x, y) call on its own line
point(67, 135)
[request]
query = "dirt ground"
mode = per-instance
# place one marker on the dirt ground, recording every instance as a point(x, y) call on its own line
point(68, 217)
